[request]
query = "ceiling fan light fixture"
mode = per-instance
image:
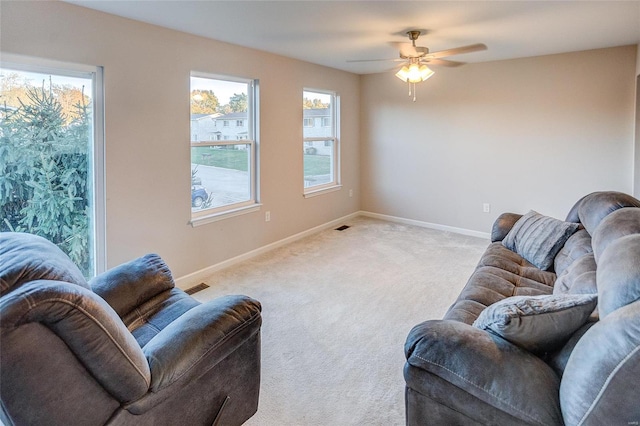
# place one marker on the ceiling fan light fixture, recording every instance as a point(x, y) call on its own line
point(414, 73)
point(425, 72)
point(403, 73)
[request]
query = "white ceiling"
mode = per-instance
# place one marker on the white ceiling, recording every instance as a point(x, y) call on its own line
point(332, 32)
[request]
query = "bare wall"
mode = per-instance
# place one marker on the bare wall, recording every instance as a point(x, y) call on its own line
point(146, 75)
point(533, 133)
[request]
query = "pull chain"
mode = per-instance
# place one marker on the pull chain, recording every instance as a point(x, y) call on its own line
point(412, 89)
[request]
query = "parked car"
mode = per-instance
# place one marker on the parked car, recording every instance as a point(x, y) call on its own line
point(199, 195)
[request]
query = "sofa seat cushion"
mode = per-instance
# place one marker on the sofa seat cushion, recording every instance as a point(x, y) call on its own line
point(501, 273)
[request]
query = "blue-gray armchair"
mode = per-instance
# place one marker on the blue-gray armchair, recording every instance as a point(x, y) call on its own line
point(125, 348)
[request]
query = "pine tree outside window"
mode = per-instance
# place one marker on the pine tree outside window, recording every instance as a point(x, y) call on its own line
point(51, 156)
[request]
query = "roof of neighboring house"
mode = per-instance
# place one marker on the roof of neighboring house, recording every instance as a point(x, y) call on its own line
point(233, 116)
point(316, 112)
point(201, 116)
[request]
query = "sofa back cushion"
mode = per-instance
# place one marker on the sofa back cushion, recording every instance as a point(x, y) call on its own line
point(596, 206)
point(578, 245)
point(624, 221)
point(599, 384)
point(578, 278)
point(618, 274)
point(27, 257)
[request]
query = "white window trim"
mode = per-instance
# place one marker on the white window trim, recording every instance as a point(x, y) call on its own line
point(215, 214)
point(48, 66)
point(335, 184)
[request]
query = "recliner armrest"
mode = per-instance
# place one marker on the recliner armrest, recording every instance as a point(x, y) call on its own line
point(503, 225)
point(195, 342)
point(129, 285)
point(485, 366)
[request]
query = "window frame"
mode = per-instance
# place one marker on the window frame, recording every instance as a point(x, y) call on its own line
point(214, 214)
point(97, 223)
point(335, 184)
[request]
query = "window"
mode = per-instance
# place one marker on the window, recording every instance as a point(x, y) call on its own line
point(320, 144)
point(239, 123)
point(51, 156)
point(223, 169)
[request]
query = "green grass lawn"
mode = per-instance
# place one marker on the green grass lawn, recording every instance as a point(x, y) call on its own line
point(238, 160)
point(317, 165)
point(227, 158)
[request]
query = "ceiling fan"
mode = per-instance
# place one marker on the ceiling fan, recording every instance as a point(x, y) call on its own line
point(416, 58)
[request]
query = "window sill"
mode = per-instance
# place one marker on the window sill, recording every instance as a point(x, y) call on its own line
point(214, 217)
point(321, 191)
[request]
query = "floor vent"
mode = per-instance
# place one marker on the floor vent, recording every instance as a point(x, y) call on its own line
point(196, 288)
point(342, 228)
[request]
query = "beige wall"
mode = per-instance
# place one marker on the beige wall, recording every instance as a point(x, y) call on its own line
point(533, 133)
point(146, 75)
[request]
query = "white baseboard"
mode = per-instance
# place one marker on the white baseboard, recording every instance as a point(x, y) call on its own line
point(196, 278)
point(422, 224)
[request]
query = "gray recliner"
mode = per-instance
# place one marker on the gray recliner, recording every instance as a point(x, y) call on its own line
point(126, 348)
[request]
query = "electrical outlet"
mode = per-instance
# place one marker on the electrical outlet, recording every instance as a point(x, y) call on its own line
point(351, 193)
point(267, 216)
point(486, 207)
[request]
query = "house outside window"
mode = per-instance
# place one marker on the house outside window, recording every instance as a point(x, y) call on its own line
point(223, 164)
point(321, 146)
point(51, 156)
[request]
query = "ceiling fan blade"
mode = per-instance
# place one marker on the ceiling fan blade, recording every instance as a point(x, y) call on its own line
point(443, 62)
point(377, 60)
point(457, 51)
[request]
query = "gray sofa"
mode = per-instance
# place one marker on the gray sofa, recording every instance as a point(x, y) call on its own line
point(459, 373)
point(127, 348)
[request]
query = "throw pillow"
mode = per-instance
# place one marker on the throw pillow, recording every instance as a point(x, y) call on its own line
point(537, 323)
point(539, 238)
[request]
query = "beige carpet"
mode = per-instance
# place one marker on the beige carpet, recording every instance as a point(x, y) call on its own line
point(337, 307)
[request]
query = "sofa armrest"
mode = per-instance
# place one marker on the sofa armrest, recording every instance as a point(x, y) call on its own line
point(129, 285)
point(503, 225)
point(490, 369)
point(197, 341)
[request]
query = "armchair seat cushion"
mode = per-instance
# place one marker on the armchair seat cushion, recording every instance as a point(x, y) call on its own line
point(151, 317)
